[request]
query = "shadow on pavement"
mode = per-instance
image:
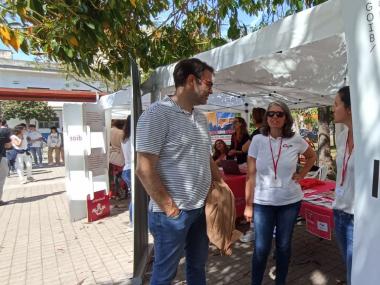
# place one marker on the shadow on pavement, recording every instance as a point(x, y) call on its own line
point(40, 171)
point(33, 198)
point(47, 179)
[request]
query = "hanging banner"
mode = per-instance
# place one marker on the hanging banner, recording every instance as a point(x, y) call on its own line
point(221, 123)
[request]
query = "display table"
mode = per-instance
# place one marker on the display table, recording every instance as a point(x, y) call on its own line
point(316, 208)
point(237, 185)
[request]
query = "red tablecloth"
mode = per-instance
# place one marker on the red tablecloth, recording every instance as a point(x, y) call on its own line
point(237, 185)
point(319, 218)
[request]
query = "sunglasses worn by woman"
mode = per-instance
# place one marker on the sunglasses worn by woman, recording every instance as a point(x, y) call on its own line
point(277, 114)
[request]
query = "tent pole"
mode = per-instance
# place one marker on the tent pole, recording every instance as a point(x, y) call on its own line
point(139, 197)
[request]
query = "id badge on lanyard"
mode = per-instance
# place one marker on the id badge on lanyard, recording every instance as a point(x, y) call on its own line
point(339, 190)
point(274, 181)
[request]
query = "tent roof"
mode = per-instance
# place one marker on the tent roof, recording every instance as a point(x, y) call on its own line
point(121, 99)
point(300, 60)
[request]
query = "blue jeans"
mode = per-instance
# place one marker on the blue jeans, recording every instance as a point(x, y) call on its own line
point(344, 232)
point(266, 218)
point(36, 151)
point(173, 237)
point(126, 176)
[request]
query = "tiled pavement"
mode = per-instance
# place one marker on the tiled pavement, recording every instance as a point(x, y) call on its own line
point(314, 262)
point(39, 245)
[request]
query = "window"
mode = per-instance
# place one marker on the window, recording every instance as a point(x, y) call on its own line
point(49, 124)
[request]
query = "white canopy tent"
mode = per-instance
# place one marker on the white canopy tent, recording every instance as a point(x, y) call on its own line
point(119, 103)
point(300, 60)
point(303, 60)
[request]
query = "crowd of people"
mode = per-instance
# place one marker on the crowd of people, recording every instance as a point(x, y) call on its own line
point(25, 149)
point(176, 171)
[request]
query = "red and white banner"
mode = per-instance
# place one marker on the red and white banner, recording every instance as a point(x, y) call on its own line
point(318, 224)
point(99, 207)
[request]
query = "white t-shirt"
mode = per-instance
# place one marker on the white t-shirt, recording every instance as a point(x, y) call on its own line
point(283, 190)
point(54, 140)
point(23, 145)
point(345, 194)
point(127, 152)
point(34, 136)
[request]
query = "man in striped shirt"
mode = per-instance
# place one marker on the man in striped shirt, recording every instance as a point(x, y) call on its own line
point(175, 166)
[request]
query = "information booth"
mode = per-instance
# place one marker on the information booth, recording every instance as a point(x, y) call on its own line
point(303, 60)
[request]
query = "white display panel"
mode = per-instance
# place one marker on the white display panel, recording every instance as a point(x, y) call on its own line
point(85, 155)
point(362, 28)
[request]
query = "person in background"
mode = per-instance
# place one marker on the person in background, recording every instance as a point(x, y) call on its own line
point(11, 155)
point(176, 169)
point(54, 145)
point(343, 205)
point(9, 151)
point(20, 144)
point(257, 121)
point(126, 147)
point(5, 142)
point(220, 151)
point(62, 149)
point(116, 158)
point(35, 139)
point(116, 137)
point(238, 139)
point(273, 194)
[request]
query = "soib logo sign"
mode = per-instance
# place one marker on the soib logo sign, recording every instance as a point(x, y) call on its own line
point(371, 17)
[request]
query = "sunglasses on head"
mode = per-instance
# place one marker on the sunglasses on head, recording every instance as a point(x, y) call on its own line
point(278, 114)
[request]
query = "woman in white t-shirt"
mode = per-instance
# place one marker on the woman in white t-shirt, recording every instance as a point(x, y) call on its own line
point(20, 145)
point(126, 147)
point(273, 194)
point(54, 145)
point(344, 192)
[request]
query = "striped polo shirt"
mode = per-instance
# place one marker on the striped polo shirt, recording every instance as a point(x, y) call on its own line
point(182, 142)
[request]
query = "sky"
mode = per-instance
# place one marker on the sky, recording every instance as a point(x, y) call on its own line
point(17, 55)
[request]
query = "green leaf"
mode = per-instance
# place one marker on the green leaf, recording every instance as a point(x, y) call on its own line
point(24, 46)
point(91, 26)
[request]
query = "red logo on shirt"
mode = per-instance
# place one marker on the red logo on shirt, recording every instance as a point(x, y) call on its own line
point(287, 145)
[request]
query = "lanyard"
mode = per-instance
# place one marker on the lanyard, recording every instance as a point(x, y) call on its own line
point(275, 163)
point(345, 162)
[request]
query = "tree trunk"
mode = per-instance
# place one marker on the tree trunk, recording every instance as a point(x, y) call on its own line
point(27, 122)
point(324, 151)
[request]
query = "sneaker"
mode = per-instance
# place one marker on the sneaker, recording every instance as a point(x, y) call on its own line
point(30, 179)
point(40, 165)
point(2, 203)
point(248, 237)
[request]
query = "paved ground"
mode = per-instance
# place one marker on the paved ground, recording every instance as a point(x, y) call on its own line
point(39, 245)
point(314, 262)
